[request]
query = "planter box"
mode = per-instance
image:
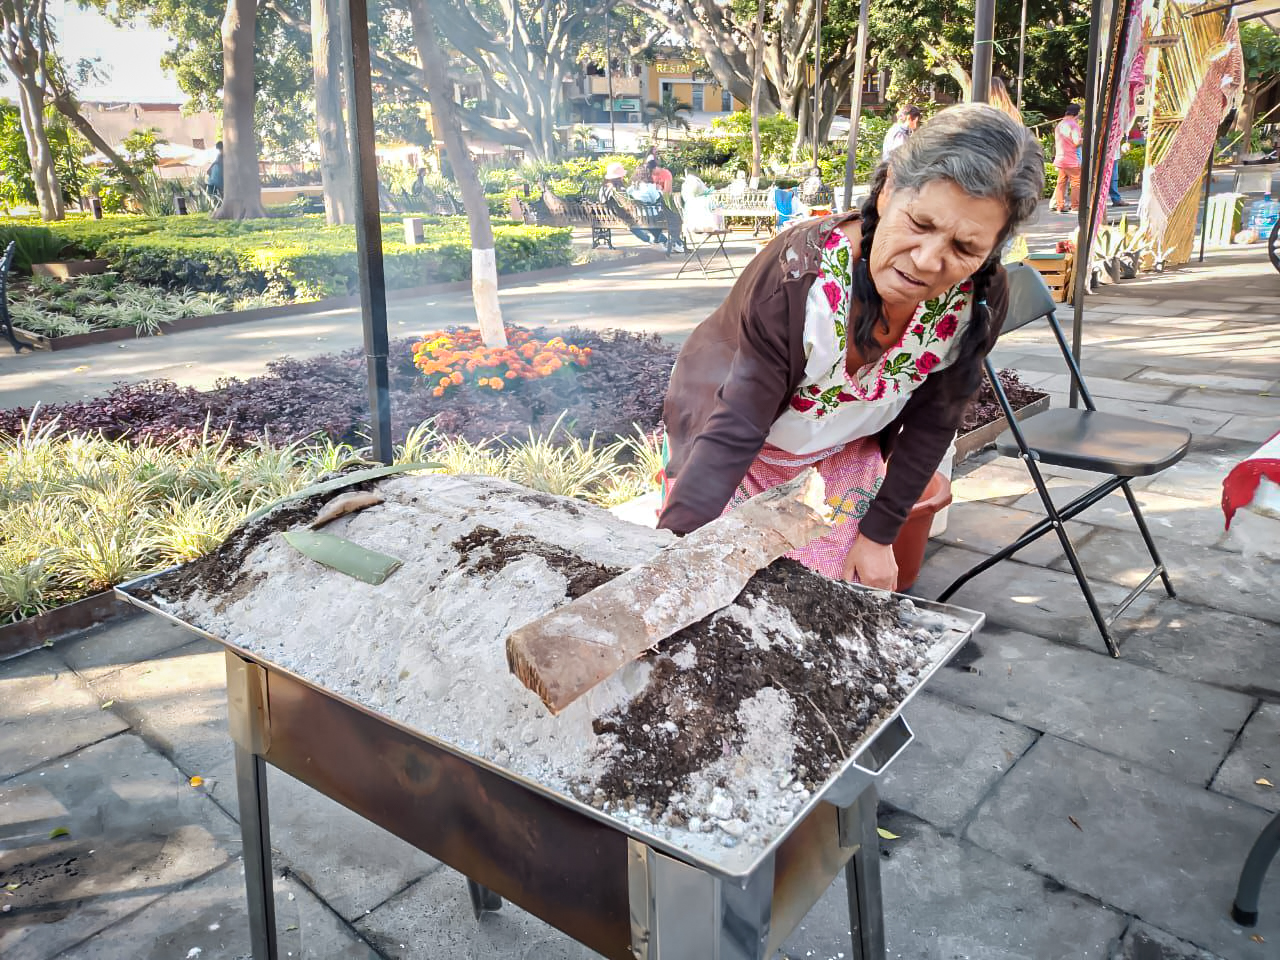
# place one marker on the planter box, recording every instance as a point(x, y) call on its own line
point(65, 269)
point(27, 635)
point(968, 444)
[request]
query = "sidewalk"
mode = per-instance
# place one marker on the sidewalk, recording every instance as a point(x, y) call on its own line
point(1056, 804)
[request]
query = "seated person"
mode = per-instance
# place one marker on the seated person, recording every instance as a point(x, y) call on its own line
point(645, 192)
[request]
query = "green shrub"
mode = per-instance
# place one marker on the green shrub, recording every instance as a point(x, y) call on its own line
point(35, 245)
point(295, 259)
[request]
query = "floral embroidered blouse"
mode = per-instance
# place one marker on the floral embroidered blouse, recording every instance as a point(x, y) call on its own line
point(829, 407)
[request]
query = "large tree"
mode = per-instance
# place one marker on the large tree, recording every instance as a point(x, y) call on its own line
point(242, 190)
point(327, 42)
point(484, 270)
point(26, 47)
point(1261, 48)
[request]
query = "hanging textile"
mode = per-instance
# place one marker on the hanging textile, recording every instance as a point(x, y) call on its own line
point(1132, 78)
point(1180, 168)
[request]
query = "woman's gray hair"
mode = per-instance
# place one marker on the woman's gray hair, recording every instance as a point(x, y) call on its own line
point(982, 150)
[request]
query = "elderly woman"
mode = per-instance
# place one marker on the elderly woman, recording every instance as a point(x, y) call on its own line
point(854, 340)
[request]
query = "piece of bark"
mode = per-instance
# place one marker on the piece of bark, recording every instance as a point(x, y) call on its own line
point(565, 653)
point(350, 502)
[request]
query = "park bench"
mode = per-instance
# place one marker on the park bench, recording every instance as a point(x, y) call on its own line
point(602, 218)
point(754, 205)
point(6, 323)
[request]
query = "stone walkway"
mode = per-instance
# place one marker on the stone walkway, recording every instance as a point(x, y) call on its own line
point(1056, 804)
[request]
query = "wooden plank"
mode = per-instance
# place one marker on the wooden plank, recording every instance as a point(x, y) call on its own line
point(565, 653)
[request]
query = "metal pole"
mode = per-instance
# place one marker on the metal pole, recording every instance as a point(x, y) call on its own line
point(984, 32)
point(1082, 237)
point(855, 104)
point(608, 73)
point(1022, 52)
point(817, 77)
point(1204, 207)
point(373, 291)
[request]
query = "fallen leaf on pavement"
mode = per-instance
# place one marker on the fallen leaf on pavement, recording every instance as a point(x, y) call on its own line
point(886, 835)
point(196, 781)
point(108, 704)
point(1264, 782)
point(1257, 939)
point(12, 886)
point(1076, 823)
point(57, 832)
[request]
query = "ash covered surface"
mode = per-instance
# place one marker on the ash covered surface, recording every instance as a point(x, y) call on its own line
point(714, 742)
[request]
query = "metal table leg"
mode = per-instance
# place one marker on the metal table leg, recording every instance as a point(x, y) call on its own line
point(862, 876)
point(251, 787)
point(1245, 909)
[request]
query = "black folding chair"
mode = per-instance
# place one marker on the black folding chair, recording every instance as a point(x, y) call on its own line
point(6, 322)
point(1118, 447)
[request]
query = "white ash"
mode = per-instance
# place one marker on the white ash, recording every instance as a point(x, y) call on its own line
point(427, 650)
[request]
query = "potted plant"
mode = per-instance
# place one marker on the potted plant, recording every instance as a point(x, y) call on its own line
point(1106, 253)
point(1133, 242)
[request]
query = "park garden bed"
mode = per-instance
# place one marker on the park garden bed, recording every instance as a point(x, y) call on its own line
point(287, 259)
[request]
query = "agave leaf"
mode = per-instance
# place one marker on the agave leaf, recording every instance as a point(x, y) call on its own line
point(343, 555)
point(346, 480)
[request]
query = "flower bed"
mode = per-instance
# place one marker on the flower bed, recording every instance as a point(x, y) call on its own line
point(294, 259)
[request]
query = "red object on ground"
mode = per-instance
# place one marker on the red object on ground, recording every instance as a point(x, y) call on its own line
point(1241, 484)
point(908, 549)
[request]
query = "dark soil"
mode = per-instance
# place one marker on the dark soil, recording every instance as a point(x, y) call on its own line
point(485, 550)
point(985, 408)
point(623, 387)
point(829, 717)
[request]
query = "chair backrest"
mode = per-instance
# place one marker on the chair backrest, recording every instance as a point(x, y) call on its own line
point(6, 262)
point(1029, 297)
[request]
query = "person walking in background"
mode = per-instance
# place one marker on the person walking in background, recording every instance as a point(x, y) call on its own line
point(1066, 159)
point(1000, 99)
point(213, 176)
point(908, 120)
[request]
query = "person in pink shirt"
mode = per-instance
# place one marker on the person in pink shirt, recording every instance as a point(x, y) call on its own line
point(1066, 159)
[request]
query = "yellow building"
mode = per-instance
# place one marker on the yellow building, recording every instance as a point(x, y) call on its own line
point(688, 80)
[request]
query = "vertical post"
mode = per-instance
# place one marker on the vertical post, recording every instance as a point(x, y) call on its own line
point(608, 74)
point(251, 791)
point(862, 876)
point(984, 31)
point(1022, 52)
point(1083, 232)
point(373, 292)
point(855, 105)
point(1204, 207)
point(817, 77)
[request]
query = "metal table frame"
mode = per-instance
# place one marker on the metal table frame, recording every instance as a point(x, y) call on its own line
point(618, 896)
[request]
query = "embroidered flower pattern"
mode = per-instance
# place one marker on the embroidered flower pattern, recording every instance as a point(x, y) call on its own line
point(924, 344)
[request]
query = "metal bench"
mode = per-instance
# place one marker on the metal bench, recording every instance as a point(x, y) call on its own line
point(603, 217)
point(754, 205)
point(6, 323)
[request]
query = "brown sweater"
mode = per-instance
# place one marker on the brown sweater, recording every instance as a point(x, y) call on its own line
point(737, 371)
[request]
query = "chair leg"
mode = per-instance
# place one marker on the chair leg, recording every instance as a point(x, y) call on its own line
point(1245, 908)
point(1098, 617)
point(1146, 536)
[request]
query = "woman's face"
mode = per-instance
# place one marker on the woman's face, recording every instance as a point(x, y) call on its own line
point(930, 239)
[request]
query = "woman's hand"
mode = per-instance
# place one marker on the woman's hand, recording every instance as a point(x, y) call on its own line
point(872, 563)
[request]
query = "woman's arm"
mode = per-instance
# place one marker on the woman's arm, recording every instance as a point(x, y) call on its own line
point(746, 404)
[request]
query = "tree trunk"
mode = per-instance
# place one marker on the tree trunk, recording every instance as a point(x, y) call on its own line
point(484, 268)
point(242, 190)
point(67, 106)
point(757, 79)
point(331, 130)
point(43, 174)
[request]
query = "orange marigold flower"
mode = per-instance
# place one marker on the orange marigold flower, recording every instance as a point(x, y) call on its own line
point(495, 383)
point(511, 374)
point(438, 392)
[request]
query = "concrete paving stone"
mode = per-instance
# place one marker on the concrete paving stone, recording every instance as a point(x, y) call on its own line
point(1178, 727)
point(1050, 361)
point(137, 832)
point(1203, 644)
point(1168, 518)
point(1257, 429)
point(1206, 379)
point(988, 528)
point(1256, 405)
point(1221, 447)
point(351, 863)
point(1144, 942)
point(1194, 321)
point(433, 918)
point(1197, 477)
point(1001, 482)
point(946, 899)
point(110, 646)
point(1111, 388)
point(210, 916)
point(1125, 301)
point(1172, 414)
point(1200, 574)
point(1047, 603)
point(957, 755)
point(178, 704)
point(1254, 757)
point(46, 711)
point(1145, 843)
